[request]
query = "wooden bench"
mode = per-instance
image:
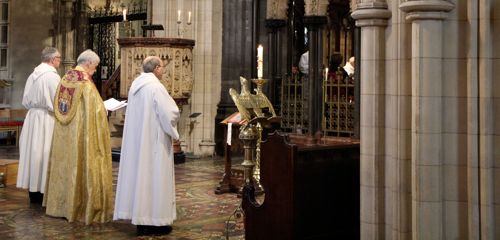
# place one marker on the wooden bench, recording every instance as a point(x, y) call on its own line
point(9, 168)
point(11, 120)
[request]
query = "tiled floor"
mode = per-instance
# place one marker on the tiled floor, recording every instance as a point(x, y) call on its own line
point(201, 213)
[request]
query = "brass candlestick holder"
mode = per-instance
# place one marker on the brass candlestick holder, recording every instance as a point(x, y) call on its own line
point(249, 135)
point(181, 30)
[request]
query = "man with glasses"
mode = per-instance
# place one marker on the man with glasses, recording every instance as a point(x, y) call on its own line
point(146, 183)
point(36, 137)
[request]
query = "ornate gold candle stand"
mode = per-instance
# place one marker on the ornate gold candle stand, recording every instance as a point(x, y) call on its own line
point(252, 108)
point(249, 135)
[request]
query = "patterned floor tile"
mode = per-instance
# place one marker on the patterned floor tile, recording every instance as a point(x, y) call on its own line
point(201, 213)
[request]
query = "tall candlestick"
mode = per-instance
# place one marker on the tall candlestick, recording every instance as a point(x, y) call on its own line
point(326, 74)
point(260, 61)
point(124, 14)
point(178, 15)
point(189, 17)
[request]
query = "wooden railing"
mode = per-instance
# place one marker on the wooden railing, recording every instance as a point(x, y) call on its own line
point(337, 110)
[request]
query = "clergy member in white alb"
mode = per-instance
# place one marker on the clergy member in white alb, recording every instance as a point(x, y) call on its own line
point(146, 185)
point(349, 67)
point(38, 127)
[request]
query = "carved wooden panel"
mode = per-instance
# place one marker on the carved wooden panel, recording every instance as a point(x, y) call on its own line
point(177, 57)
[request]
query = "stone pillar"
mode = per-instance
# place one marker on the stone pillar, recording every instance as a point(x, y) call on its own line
point(275, 56)
point(237, 58)
point(276, 14)
point(427, 116)
point(372, 17)
point(65, 41)
point(488, 119)
point(472, 126)
point(314, 20)
point(314, 26)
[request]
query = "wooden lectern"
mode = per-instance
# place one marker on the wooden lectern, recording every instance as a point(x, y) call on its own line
point(232, 179)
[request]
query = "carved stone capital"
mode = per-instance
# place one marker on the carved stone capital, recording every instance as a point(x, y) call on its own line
point(276, 9)
point(426, 9)
point(316, 7)
point(371, 14)
point(372, 5)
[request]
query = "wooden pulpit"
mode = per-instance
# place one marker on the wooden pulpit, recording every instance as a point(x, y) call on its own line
point(177, 57)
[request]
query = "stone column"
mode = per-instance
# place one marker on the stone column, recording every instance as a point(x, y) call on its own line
point(314, 26)
point(207, 73)
point(275, 56)
point(314, 20)
point(372, 17)
point(276, 15)
point(488, 119)
point(65, 35)
point(237, 58)
point(427, 116)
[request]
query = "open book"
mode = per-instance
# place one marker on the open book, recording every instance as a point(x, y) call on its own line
point(113, 104)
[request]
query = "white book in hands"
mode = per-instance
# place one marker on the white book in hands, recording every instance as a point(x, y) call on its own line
point(113, 104)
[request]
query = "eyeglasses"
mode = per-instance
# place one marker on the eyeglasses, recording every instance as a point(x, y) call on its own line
point(57, 57)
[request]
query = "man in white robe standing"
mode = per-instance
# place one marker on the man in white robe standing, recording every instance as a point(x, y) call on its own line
point(146, 185)
point(36, 137)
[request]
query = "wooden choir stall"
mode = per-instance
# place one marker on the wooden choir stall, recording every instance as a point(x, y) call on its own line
point(311, 189)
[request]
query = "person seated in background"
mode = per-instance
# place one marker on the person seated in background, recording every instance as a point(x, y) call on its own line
point(335, 66)
point(349, 67)
point(304, 62)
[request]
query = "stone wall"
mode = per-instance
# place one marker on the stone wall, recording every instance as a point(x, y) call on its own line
point(29, 34)
point(429, 119)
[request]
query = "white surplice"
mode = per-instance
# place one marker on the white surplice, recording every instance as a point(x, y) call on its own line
point(36, 137)
point(349, 68)
point(146, 186)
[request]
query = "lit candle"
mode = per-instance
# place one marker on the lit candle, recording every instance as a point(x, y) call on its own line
point(189, 17)
point(326, 74)
point(125, 14)
point(178, 15)
point(260, 61)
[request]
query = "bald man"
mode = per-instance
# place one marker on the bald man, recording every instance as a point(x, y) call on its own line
point(146, 188)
